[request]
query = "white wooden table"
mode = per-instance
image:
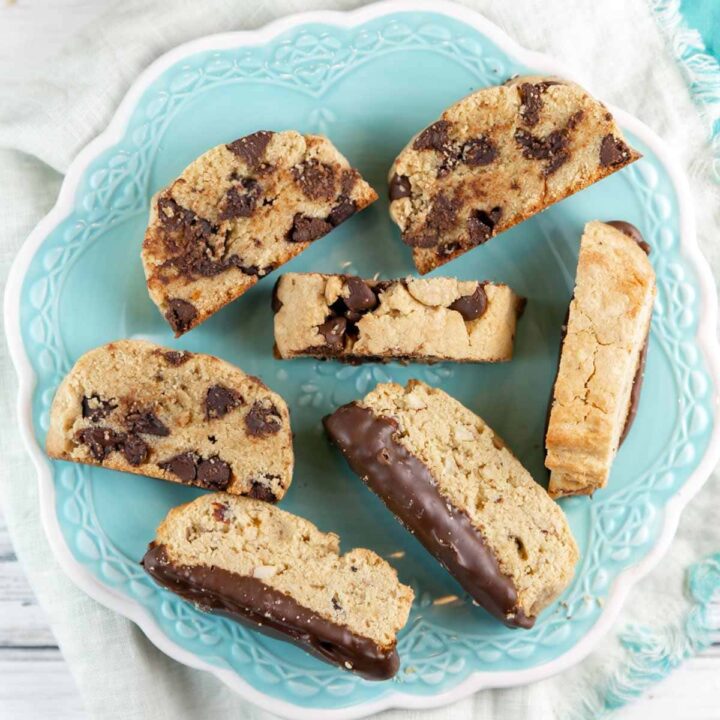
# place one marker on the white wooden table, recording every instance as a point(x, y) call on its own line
point(35, 682)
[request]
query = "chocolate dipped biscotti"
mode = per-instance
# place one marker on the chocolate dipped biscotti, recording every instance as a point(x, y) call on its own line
point(497, 157)
point(238, 212)
point(278, 573)
point(180, 416)
point(602, 358)
point(346, 317)
point(455, 485)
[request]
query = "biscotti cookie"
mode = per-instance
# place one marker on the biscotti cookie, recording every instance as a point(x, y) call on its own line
point(238, 212)
point(179, 416)
point(602, 358)
point(345, 317)
point(278, 573)
point(454, 484)
point(497, 157)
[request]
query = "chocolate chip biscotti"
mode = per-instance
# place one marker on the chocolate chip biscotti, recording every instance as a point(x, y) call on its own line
point(179, 416)
point(278, 573)
point(455, 485)
point(348, 318)
point(602, 358)
point(497, 157)
point(238, 212)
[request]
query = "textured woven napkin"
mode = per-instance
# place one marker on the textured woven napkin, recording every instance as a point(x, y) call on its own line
point(622, 50)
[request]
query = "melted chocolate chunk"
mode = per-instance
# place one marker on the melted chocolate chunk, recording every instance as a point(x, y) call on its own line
point(333, 330)
point(146, 422)
point(185, 228)
point(180, 315)
point(344, 210)
point(251, 602)
point(275, 302)
point(101, 441)
point(251, 148)
point(221, 512)
point(348, 179)
point(183, 465)
point(399, 187)
point(552, 148)
point(176, 358)
point(435, 137)
point(478, 151)
point(360, 297)
point(472, 307)
point(213, 473)
point(260, 491)
point(241, 200)
point(531, 103)
point(135, 450)
point(95, 409)
point(481, 225)
point(632, 232)
point(307, 229)
point(613, 151)
point(405, 484)
point(316, 179)
point(220, 400)
point(440, 219)
point(263, 419)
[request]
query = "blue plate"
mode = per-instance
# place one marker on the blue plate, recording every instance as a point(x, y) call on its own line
point(368, 80)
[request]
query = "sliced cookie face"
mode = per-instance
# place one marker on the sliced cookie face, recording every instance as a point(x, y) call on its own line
point(602, 359)
point(279, 574)
point(497, 157)
point(352, 319)
point(455, 485)
point(238, 212)
point(179, 416)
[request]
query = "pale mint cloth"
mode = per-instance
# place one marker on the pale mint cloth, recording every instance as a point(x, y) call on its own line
point(617, 47)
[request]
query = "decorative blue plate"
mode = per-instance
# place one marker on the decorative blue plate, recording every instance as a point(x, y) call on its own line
point(369, 80)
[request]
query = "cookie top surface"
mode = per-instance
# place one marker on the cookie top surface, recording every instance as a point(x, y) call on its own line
point(497, 157)
point(357, 589)
point(135, 406)
point(238, 212)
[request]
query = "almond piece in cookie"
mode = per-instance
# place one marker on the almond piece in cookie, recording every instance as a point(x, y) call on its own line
point(497, 157)
point(279, 574)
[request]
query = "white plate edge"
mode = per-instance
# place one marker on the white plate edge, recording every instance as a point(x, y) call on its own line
point(120, 603)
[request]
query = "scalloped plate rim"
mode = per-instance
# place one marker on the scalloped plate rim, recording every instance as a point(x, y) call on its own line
point(706, 339)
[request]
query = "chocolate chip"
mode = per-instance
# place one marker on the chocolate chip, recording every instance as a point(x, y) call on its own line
point(180, 314)
point(333, 330)
point(183, 465)
point(176, 358)
point(220, 400)
point(399, 187)
point(146, 422)
point(531, 103)
point(471, 307)
point(185, 227)
point(441, 218)
point(275, 302)
point(336, 603)
point(348, 179)
point(575, 119)
point(221, 511)
point(478, 151)
point(100, 441)
point(95, 409)
point(135, 450)
point(360, 297)
point(240, 201)
point(251, 148)
point(214, 473)
point(434, 137)
point(613, 151)
point(344, 209)
point(552, 148)
point(307, 229)
point(263, 419)
point(632, 232)
point(316, 179)
point(481, 225)
point(260, 491)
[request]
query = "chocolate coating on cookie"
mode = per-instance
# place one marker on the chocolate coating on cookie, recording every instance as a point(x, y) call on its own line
point(407, 487)
point(632, 232)
point(251, 602)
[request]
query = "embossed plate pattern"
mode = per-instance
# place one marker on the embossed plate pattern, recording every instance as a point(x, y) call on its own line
point(368, 79)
